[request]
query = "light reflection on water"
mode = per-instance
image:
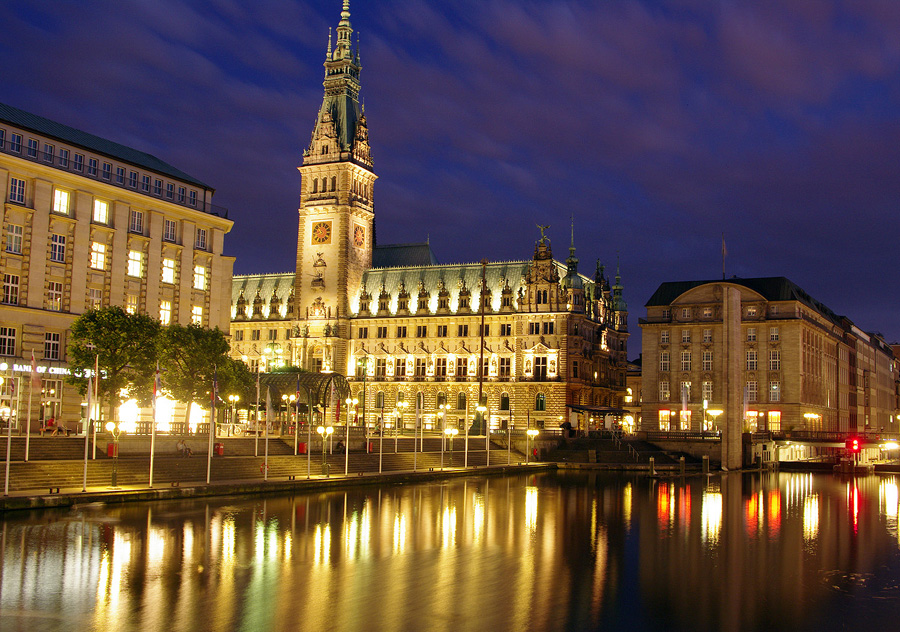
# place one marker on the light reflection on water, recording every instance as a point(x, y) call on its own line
point(566, 551)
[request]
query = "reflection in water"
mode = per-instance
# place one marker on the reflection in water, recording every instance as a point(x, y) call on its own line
point(566, 551)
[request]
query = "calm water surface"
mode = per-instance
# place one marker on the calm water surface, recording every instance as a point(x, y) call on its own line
point(532, 552)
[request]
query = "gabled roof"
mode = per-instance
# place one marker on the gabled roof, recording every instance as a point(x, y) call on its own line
point(89, 142)
point(403, 255)
point(770, 288)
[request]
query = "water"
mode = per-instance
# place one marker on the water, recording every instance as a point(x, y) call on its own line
point(566, 551)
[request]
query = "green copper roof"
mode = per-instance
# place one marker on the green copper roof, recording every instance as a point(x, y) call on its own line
point(89, 142)
point(402, 255)
point(770, 288)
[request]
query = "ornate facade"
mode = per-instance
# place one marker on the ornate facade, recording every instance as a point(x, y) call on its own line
point(537, 339)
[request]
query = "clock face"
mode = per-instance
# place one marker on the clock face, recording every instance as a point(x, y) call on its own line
point(321, 233)
point(359, 236)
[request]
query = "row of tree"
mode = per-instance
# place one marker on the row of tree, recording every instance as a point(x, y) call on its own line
point(129, 348)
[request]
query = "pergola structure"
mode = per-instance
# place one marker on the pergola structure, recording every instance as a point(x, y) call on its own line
point(324, 390)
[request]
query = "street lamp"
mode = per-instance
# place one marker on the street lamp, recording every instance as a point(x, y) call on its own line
point(234, 399)
point(531, 434)
point(450, 433)
point(714, 413)
point(363, 363)
point(115, 429)
point(354, 403)
point(324, 432)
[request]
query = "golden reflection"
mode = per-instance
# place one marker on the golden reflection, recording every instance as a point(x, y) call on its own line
point(684, 509)
point(399, 533)
point(626, 506)
point(259, 540)
point(272, 540)
point(711, 516)
point(662, 506)
point(365, 532)
point(478, 517)
point(752, 514)
point(889, 501)
point(811, 518)
point(531, 509)
point(228, 537)
point(448, 527)
point(288, 546)
point(351, 537)
point(774, 515)
point(156, 548)
point(187, 538)
point(322, 544)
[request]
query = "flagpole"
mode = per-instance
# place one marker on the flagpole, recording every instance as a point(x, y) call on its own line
point(8, 443)
point(268, 417)
point(256, 425)
point(96, 399)
point(34, 374)
point(153, 423)
point(309, 405)
point(212, 425)
point(87, 433)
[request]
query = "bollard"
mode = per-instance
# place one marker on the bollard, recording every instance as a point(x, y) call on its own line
point(652, 466)
point(706, 464)
point(681, 465)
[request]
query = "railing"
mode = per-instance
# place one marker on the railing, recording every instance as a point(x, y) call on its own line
point(837, 436)
point(68, 165)
point(682, 435)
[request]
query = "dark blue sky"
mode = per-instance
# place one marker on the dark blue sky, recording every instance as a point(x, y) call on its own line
point(659, 125)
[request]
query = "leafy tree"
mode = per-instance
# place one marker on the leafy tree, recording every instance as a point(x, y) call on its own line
point(190, 356)
point(235, 378)
point(126, 347)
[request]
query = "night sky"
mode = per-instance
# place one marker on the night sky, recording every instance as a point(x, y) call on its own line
point(658, 125)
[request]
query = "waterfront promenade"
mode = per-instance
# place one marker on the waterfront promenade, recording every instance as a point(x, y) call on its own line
point(53, 477)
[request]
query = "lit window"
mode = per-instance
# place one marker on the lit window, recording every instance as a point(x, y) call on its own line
point(774, 421)
point(54, 296)
point(665, 417)
point(165, 312)
point(131, 304)
point(11, 289)
point(775, 391)
point(199, 277)
point(136, 222)
point(61, 201)
point(51, 346)
point(98, 255)
point(706, 388)
point(101, 211)
point(197, 315)
point(135, 263)
point(168, 271)
point(200, 242)
point(14, 239)
point(7, 341)
point(95, 298)
point(57, 248)
point(17, 190)
point(169, 230)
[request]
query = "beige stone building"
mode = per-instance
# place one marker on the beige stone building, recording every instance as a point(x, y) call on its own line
point(542, 342)
point(784, 361)
point(88, 223)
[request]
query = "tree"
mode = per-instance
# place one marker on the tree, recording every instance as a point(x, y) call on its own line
point(191, 356)
point(126, 347)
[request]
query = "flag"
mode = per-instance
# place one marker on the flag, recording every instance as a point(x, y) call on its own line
point(157, 384)
point(684, 397)
point(35, 376)
point(269, 413)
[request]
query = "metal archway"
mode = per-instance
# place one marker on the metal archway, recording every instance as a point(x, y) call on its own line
point(320, 389)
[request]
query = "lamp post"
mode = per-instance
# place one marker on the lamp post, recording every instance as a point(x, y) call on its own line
point(354, 403)
point(115, 428)
point(714, 413)
point(450, 433)
point(402, 405)
point(234, 399)
point(482, 409)
point(324, 432)
point(529, 436)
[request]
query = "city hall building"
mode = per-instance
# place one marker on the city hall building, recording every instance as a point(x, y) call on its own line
point(88, 223)
point(537, 341)
point(777, 357)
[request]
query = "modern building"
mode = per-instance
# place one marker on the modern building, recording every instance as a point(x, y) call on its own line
point(89, 223)
point(778, 358)
point(539, 342)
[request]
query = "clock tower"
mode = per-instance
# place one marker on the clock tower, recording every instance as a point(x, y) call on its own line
point(336, 215)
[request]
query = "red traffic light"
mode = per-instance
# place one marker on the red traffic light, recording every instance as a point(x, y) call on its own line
point(853, 445)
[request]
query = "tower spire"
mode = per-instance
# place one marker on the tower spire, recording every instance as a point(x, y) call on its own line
point(344, 32)
point(328, 52)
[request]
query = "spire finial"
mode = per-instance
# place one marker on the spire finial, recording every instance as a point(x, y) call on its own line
point(328, 52)
point(572, 246)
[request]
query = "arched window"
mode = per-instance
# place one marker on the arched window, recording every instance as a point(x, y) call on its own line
point(315, 183)
point(333, 183)
point(441, 399)
point(504, 401)
point(379, 399)
point(324, 184)
point(461, 401)
point(420, 400)
point(540, 402)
